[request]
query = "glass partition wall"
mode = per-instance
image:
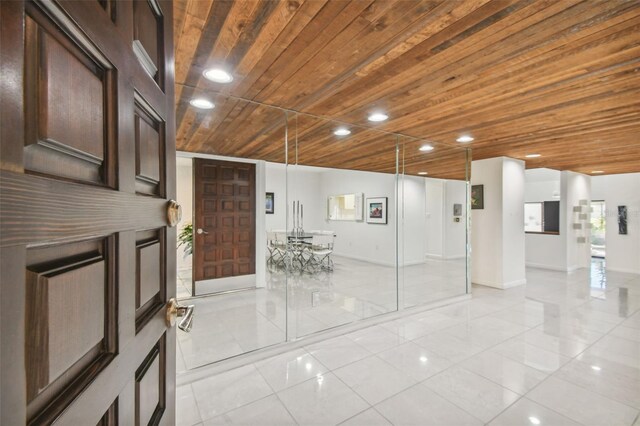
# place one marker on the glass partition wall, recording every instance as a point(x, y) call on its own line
point(344, 227)
point(433, 234)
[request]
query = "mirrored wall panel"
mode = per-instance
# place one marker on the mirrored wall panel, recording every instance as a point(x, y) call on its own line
point(342, 203)
point(295, 224)
point(433, 234)
point(233, 192)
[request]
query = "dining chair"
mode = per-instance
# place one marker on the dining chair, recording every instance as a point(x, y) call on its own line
point(321, 250)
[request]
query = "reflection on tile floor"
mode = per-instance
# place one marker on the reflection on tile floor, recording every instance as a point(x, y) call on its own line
point(562, 350)
point(235, 323)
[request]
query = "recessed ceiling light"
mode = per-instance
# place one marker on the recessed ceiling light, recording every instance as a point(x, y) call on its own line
point(533, 155)
point(217, 75)
point(595, 172)
point(378, 116)
point(596, 368)
point(423, 173)
point(426, 148)
point(202, 103)
point(341, 131)
point(465, 138)
point(534, 420)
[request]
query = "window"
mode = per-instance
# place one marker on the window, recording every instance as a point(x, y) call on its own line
point(542, 217)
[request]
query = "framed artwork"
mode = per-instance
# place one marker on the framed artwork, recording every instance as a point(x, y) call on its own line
point(270, 203)
point(622, 220)
point(377, 210)
point(477, 197)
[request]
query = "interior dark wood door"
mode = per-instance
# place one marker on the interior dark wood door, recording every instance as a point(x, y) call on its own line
point(87, 168)
point(225, 238)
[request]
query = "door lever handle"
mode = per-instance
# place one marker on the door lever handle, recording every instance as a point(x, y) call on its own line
point(174, 310)
point(201, 231)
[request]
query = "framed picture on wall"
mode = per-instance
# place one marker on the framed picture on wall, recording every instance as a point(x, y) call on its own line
point(622, 220)
point(270, 203)
point(377, 210)
point(477, 197)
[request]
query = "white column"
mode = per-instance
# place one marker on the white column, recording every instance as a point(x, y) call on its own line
point(497, 230)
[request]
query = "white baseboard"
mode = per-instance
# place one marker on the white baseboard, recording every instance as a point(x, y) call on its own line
point(455, 257)
point(625, 270)
point(433, 256)
point(501, 286)
point(550, 267)
point(365, 259)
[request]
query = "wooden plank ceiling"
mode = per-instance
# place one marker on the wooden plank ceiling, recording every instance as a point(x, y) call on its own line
point(559, 78)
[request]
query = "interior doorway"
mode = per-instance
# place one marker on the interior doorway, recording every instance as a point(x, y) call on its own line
point(598, 229)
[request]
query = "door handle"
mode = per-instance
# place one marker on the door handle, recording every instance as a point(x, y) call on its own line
point(201, 231)
point(174, 310)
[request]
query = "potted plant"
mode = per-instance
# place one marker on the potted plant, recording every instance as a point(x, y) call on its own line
point(185, 238)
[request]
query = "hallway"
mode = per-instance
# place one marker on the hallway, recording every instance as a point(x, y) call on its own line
point(564, 349)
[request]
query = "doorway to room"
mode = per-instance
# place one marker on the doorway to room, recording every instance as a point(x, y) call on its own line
point(598, 229)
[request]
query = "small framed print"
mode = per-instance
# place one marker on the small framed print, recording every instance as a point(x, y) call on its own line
point(377, 210)
point(270, 202)
point(477, 197)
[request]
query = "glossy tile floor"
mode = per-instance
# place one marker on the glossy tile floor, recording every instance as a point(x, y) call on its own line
point(562, 350)
point(234, 323)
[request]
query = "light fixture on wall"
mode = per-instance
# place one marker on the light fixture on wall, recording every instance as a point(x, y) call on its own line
point(217, 75)
point(377, 116)
point(533, 155)
point(465, 138)
point(342, 131)
point(202, 103)
point(596, 172)
point(423, 173)
point(426, 148)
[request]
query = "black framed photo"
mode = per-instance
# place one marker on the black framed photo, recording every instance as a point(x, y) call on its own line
point(477, 197)
point(270, 203)
point(377, 210)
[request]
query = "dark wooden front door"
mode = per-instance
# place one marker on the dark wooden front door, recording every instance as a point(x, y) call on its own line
point(87, 259)
point(225, 223)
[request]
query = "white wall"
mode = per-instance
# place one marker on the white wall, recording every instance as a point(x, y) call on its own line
point(497, 236)
point(361, 240)
point(544, 250)
point(184, 197)
point(623, 251)
point(434, 194)
point(414, 225)
point(560, 252)
point(455, 234)
point(513, 243)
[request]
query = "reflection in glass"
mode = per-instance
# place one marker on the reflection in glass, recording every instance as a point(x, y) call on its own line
point(342, 219)
point(433, 231)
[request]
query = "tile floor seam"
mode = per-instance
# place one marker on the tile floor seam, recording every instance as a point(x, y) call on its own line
point(195, 401)
point(276, 393)
point(574, 384)
point(447, 399)
point(569, 381)
point(567, 301)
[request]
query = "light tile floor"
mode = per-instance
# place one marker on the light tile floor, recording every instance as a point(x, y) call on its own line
point(234, 323)
point(562, 350)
